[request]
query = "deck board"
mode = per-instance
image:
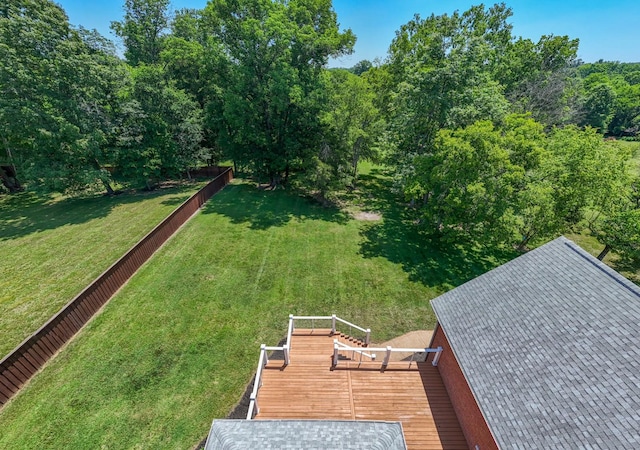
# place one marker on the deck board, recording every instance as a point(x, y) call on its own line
point(308, 389)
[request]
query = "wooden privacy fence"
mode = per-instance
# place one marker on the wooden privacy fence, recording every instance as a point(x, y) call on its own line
point(26, 359)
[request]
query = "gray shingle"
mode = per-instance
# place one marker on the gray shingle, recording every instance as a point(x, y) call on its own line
point(550, 346)
point(305, 434)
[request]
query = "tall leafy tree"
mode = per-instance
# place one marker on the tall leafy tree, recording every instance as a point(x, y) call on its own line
point(622, 234)
point(589, 173)
point(540, 78)
point(512, 183)
point(143, 30)
point(468, 183)
point(440, 70)
point(619, 227)
point(186, 53)
point(161, 129)
point(161, 126)
point(599, 106)
point(353, 122)
point(361, 67)
point(272, 95)
point(58, 86)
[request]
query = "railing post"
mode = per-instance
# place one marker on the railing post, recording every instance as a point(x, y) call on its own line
point(367, 338)
point(285, 349)
point(335, 352)
point(333, 324)
point(385, 363)
point(251, 406)
point(437, 357)
point(254, 399)
point(263, 348)
point(290, 331)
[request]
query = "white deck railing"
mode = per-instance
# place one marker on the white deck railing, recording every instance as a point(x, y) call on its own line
point(334, 320)
point(257, 384)
point(286, 349)
point(369, 353)
point(253, 398)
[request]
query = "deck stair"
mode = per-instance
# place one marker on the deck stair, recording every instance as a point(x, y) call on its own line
point(353, 355)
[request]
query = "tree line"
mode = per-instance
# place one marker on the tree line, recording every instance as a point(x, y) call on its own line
point(497, 139)
point(492, 138)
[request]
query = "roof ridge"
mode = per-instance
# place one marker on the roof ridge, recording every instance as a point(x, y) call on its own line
point(617, 277)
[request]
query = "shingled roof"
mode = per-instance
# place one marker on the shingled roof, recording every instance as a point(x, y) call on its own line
point(550, 346)
point(305, 434)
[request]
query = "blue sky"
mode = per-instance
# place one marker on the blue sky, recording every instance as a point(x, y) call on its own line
point(607, 30)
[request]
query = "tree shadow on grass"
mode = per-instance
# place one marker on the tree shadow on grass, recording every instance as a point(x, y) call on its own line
point(26, 213)
point(629, 267)
point(426, 259)
point(243, 203)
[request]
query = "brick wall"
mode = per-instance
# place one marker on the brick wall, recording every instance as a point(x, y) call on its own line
point(471, 420)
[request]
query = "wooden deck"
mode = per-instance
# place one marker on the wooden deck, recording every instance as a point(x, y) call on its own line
point(308, 389)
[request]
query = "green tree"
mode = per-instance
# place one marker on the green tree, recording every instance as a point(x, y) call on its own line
point(58, 88)
point(441, 69)
point(361, 67)
point(622, 235)
point(161, 130)
point(184, 53)
point(468, 183)
point(440, 75)
point(194, 59)
point(626, 117)
point(143, 30)
point(525, 140)
point(352, 121)
point(600, 105)
point(619, 228)
point(578, 177)
point(589, 174)
point(272, 97)
point(513, 184)
point(540, 78)
point(612, 96)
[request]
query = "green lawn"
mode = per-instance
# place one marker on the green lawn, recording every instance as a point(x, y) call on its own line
point(177, 346)
point(54, 247)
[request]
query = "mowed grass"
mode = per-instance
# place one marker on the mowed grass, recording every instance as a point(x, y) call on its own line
point(179, 343)
point(54, 247)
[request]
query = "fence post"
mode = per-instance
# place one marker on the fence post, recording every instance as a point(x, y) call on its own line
point(367, 338)
point(335, 352)
point(437, 357)
point(263, 348)
point(333, 324)
point(285, 348)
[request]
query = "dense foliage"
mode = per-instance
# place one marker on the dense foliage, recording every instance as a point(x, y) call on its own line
point(487, 131)
point(493, 138)
point(611, 93)
point(273, 96)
